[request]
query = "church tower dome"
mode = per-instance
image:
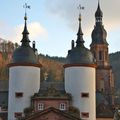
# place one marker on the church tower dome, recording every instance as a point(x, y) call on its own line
point(80, 77)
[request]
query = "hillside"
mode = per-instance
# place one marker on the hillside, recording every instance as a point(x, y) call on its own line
point(52, 66)
point(115, 62)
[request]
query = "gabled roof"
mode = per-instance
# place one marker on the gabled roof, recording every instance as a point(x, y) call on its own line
point(65, 115)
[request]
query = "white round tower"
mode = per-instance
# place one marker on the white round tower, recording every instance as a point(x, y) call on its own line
point(80, 78)
point(24, 77)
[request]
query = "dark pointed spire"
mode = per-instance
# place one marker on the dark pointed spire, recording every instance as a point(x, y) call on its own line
point(80, 40)
point(25, 40)
point(98, 14)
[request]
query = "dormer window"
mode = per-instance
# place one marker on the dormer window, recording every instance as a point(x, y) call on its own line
point(62, 106)
point(40, 106)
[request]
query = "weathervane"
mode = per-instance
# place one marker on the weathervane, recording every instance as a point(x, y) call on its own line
point(25, 6)
point(80, 8)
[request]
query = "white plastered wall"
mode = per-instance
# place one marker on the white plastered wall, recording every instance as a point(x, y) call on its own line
point(25, 79)
point(82, 80)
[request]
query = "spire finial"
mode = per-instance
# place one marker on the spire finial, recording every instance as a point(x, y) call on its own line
point(98, 1)
point(25, 40)
point(80, 40)
point(98, 14)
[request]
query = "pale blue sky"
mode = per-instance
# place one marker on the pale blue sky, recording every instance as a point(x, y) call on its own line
point(54, 23)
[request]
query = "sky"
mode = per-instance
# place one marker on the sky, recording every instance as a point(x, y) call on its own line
point(54, 23)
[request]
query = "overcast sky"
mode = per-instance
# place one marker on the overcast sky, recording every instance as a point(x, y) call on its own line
point(54, 23)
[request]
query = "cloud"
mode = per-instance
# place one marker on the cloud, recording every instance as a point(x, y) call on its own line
point(35, 29)
point(67, 10)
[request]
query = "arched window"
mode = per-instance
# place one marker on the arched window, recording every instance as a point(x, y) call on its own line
point(40, 106)
point(62, 106)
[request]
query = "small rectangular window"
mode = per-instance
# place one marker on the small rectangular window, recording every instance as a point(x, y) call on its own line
point(85, 115)
point(40, 106)
point(18, 114)
point(18, 94)
point(62, 106)
point(84, 95)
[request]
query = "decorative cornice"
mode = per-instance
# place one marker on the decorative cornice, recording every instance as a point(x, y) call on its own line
point(50, 98)
point(24, 64)
point(80, 65)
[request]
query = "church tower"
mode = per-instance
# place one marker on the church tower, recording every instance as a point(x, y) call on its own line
point(24, 77)
point(80, 77)
point(99, 48)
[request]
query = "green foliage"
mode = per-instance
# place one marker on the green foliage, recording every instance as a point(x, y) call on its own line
point(28, 111)
point(51, 67)
point(74, 111)
point(115, 62)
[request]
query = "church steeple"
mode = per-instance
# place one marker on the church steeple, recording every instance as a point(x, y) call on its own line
point(99, 34)
point(98, 14)
point(80, 40)
point(25, 40)
point(99, 45)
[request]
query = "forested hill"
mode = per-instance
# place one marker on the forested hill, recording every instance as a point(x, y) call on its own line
point(55, 64)
point(115, 62)
point(52, 66)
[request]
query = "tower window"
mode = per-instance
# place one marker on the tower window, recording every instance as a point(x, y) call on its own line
point(85, 95)
point(18, 94)
point(40, 106)
point(85, 115)
point(100, 55)
point(62, 106)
